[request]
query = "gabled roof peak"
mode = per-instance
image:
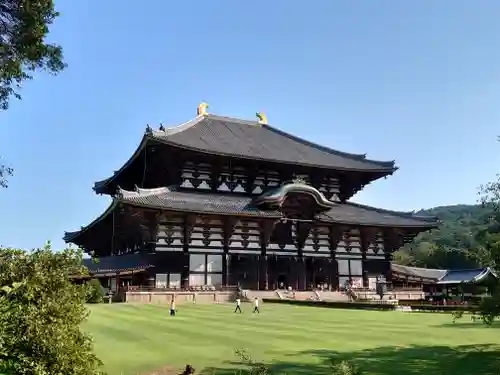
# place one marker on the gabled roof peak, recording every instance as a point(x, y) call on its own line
point(140, 192)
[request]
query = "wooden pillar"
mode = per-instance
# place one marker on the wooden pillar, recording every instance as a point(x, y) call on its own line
point(368, 236)
point(224, 269)
point(263, 276)
point(301, 274)
point(296, 273)
point(335, 235)
point(152, 224)
point(229, 225)
point(189, 221)
point(266, 230)
point(393, 240)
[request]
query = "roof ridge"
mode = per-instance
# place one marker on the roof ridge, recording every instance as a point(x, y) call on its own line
point(421, 268)
point(360, 157)
point(178, 128)
point(468, 269)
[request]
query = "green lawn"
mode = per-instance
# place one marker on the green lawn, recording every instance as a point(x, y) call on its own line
point(133, 339)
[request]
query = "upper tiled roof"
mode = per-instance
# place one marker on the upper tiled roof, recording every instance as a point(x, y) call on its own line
point(417, 272)
point(232, 137)
point(249, 139)
point(466, 276)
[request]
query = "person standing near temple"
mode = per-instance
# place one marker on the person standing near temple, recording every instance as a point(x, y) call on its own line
point(256, 305)
point(238, 305)
point(172, 307)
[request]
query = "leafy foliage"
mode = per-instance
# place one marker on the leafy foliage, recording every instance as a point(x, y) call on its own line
point(41, 311)
point(24, 25)
point(95, 292)
point(4, 173)
point(457, 243)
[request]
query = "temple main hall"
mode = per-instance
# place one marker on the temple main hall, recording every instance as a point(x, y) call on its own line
point(221, 202)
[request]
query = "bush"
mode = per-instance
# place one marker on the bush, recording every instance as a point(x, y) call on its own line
point(95, 291)
point(41, 311)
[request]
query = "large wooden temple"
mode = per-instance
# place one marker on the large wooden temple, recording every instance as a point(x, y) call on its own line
point(219, 201)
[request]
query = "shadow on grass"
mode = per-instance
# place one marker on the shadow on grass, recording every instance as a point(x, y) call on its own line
point(417, 360)
point(477, 325)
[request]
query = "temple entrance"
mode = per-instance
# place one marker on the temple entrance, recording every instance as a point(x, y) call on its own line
point(318, 272)
point(282, 281)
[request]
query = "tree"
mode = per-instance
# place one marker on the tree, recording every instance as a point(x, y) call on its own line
point(4, 173)
point(41, 312)
point(95, 292)
point(24, 25)
point(490, 248)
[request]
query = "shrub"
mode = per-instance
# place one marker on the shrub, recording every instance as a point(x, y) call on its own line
point(345, 368)
point(95, 291)
point(41, 311)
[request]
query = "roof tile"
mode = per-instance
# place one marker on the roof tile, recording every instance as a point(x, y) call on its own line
point(249, 139)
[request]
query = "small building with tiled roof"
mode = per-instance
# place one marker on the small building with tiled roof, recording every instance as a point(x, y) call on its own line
point(222, 201)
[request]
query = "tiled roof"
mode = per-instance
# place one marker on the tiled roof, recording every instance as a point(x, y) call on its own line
point(358, 214)
point(119, 263)
point(418, 273)
point(466, 276)
point(342, 213)
point(233, 137)
point(249, 139)
point(239, 205)
point(194, 202)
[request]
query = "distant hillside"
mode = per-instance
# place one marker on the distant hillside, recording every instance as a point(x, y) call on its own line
point(453, 245)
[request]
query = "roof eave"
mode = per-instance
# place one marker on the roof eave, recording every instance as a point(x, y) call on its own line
point(102, 186)
point(385, 170)
point(71, 236)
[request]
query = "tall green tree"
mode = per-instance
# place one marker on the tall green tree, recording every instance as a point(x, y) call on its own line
point(24, 26)
point(41, 312)
point(490, 248)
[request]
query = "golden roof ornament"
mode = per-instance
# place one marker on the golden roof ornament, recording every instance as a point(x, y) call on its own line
point(262, 118)
point(202, 109)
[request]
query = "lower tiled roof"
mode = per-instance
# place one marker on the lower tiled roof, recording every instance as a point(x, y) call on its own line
point(418, 273)
point(343, 213)
point(195, 202)
point(240, 205)
point(116, 264)
point(466, 276)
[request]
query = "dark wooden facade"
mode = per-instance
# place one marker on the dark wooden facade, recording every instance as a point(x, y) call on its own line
point(207, 216)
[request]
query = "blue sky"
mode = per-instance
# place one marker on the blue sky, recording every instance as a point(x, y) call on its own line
point(417, 82)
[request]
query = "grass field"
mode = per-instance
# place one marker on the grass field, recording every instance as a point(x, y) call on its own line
point(133, 339)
